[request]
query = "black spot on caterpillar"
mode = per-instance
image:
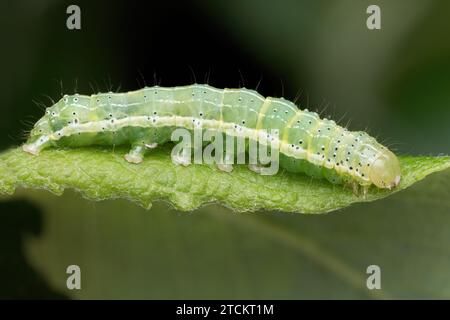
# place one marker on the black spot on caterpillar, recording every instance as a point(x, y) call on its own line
point(145, 118)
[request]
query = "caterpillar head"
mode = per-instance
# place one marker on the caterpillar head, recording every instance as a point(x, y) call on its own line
point(385, 170)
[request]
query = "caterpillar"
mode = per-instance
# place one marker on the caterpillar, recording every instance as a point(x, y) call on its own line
point(145, 119)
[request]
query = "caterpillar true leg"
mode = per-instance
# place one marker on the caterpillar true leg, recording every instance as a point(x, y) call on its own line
point(365, 190)
point(359, 190)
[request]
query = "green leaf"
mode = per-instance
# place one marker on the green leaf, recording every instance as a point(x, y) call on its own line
point(103, 174)
point(126, 252)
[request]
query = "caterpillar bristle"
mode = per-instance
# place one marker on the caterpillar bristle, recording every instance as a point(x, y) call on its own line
point(75, 87)
point(258, 83)
point(282, 87)
point(192, 74)
point(143, 78)
point(39, 104)
point(241, 81)
point(48, 97)
point(93, 91)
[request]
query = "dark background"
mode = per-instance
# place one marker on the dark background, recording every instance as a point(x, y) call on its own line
point(394, 82)
point(122, 46)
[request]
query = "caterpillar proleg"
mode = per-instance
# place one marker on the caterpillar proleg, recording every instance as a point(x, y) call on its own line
point(146, 118)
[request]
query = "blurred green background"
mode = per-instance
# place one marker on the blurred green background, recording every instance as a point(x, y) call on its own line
point(394, 82)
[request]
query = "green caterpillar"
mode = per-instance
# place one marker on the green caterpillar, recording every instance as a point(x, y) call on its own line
point(146, 118)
